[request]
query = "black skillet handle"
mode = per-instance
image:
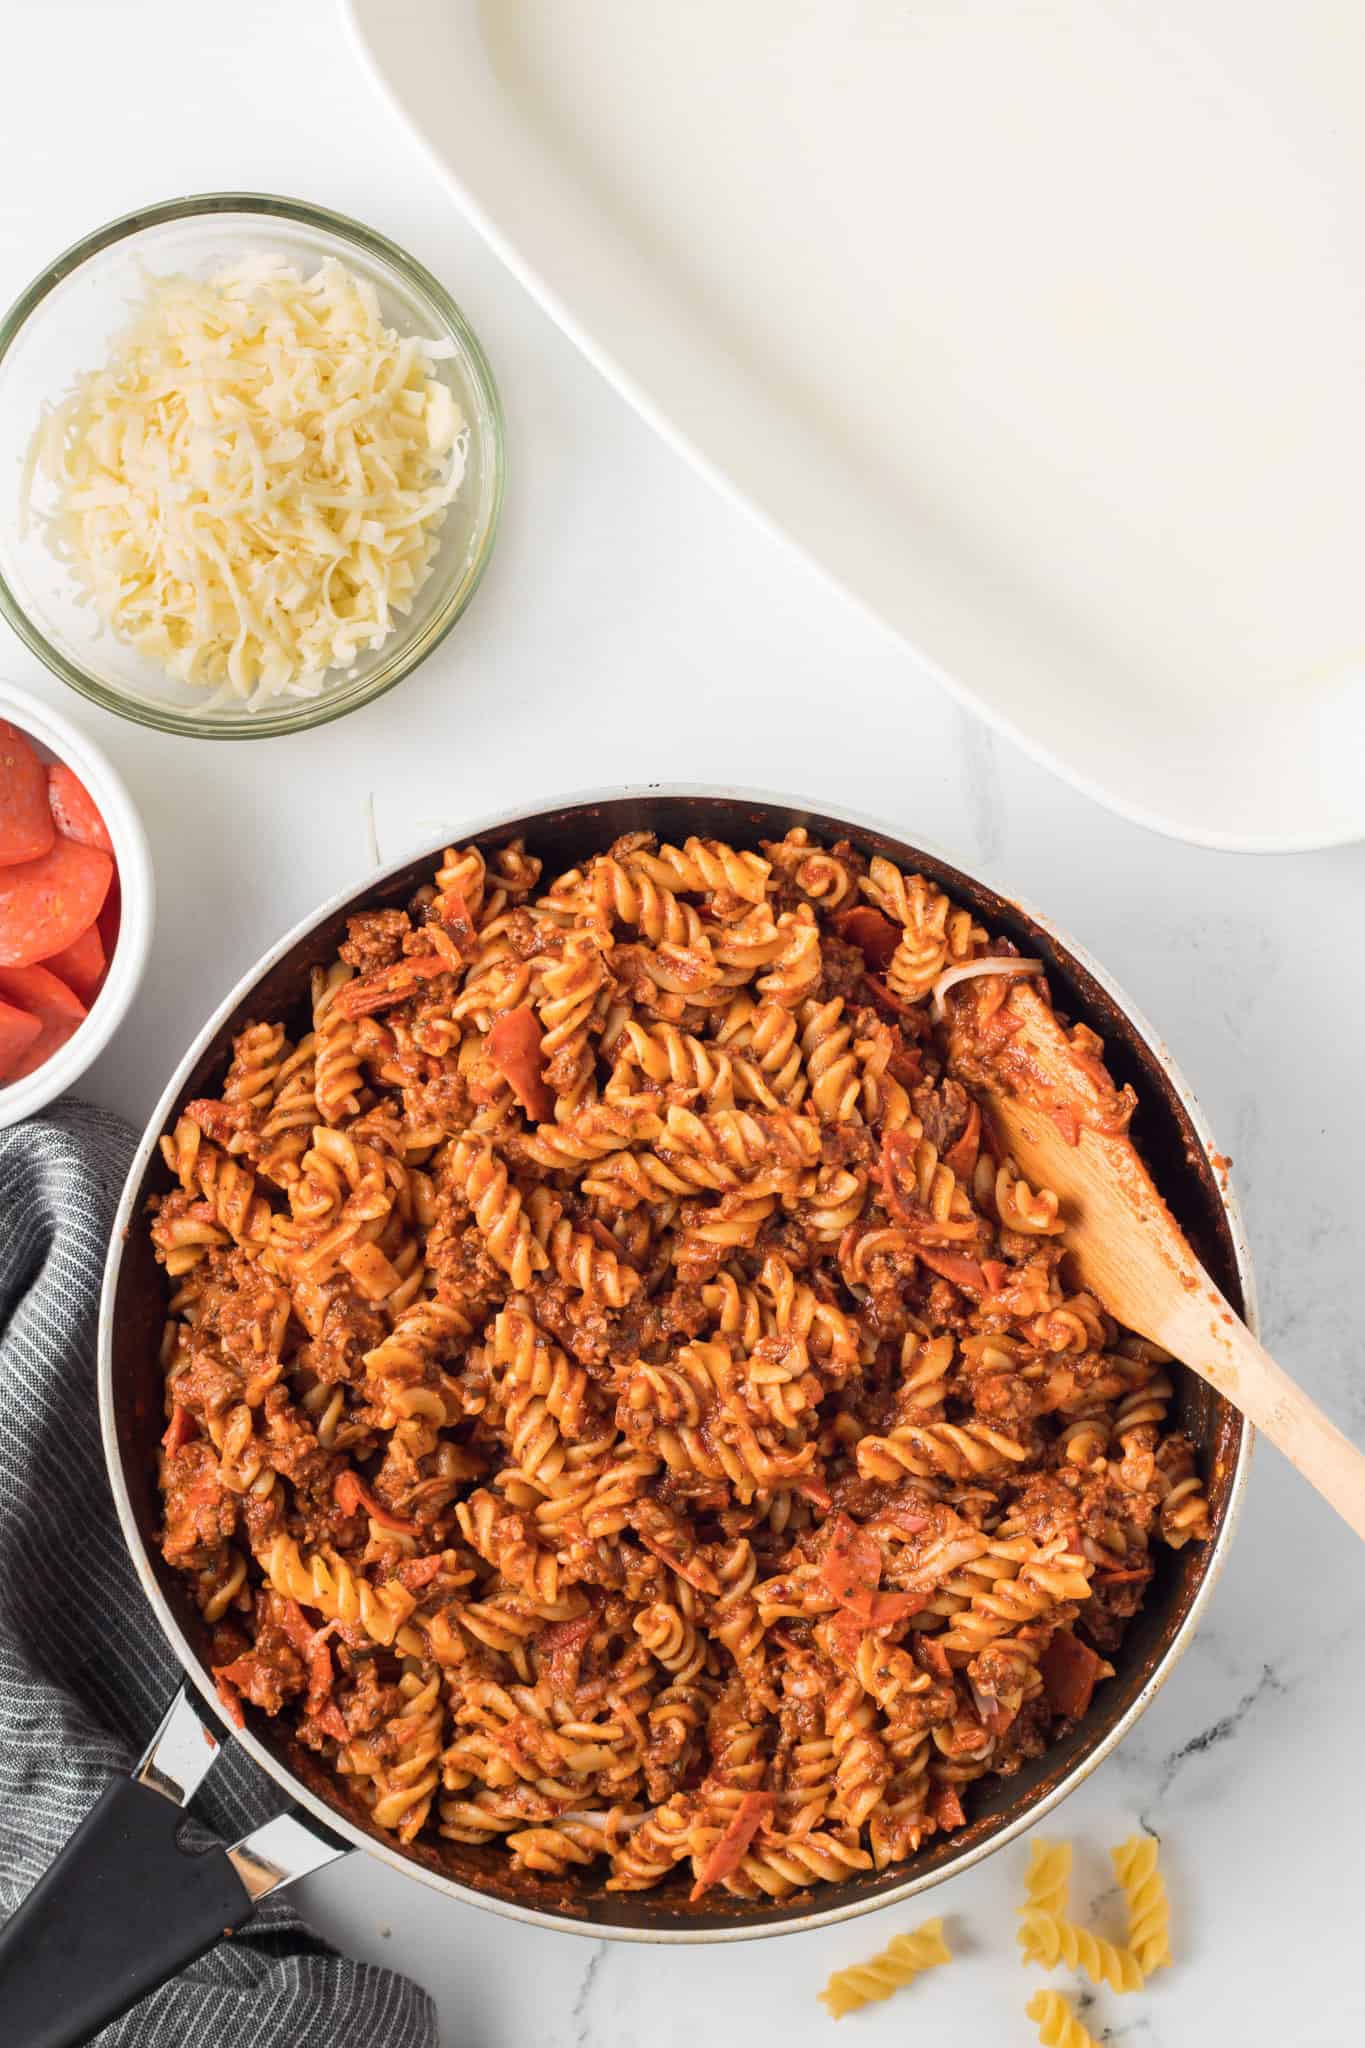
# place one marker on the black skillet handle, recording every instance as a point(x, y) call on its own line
point(120, 1910)
point(124, 1907)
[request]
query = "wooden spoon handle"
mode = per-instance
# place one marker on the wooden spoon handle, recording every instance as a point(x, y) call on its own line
point(1130, 1254)
point(1222, 1350)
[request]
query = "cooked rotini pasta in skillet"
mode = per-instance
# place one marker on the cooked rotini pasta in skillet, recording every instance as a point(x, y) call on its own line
point(620, 1402)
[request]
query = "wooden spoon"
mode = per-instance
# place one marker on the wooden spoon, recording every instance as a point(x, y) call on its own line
point(1129, 1251)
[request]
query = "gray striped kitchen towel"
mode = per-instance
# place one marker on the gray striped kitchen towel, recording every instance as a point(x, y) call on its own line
point(85, 1673)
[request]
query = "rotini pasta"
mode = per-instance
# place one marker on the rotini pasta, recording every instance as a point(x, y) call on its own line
point(903, 1959)
point(1047, 1939)
point(1048, 1882)
point(618, 1404)
point(1057, 2024)
point(1149, 1912)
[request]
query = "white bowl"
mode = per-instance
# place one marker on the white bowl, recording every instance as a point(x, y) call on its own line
point(58, 739)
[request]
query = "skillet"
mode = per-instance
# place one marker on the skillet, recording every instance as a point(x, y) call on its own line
point(124, 1907)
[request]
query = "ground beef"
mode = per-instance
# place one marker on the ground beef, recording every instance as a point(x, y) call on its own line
point(366, 1698)
point(524, 937)
point(201, 1514)
point(1024, 1739)
point(294, 1450)
point(943, 1112)
point(211, 1384)
point(843, 970)
point(272, 1670)
point(349, 1329)
point(1004, 1399)
point(847, 1145)
point(441, 1100)
point(376, 939)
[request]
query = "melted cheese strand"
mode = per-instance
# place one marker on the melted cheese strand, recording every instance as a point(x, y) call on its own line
point(997, 964)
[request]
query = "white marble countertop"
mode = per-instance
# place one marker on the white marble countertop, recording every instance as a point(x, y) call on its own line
point(633, 628)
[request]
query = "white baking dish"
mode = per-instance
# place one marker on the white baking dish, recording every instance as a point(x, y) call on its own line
point(1038, 328)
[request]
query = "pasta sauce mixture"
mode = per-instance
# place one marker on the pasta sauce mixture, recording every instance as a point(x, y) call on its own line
point(619, 1403)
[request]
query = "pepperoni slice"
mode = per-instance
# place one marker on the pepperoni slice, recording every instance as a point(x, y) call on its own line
point(182, 1429)
point(733, 1846)
point(74, 810)
point(874, 935)
point(81, 964)
point(514, 1046)
point(954, 1266)
point(961, 1157)
point(1070, 1669)
point(228, 1694)
point(458, 920)
point(47, 903)
point(351, 1495)
point(898, 1170)
point(883, 998)
point(851, 1569)
point(26, 827)
point(946, 1806)
point(111, 913)
point(44, 996)
point(18, 1029)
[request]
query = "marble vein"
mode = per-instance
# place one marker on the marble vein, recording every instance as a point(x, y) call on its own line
point(580, 2016)
point(1218, 1732)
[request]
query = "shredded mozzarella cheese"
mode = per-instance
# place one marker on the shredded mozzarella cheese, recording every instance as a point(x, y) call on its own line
point(253, 485)
point(950, 977)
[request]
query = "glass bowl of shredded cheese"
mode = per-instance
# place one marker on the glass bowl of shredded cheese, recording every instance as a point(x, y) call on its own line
point(250, 465)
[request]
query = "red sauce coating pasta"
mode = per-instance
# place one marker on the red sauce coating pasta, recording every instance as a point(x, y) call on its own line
point(618, 1404)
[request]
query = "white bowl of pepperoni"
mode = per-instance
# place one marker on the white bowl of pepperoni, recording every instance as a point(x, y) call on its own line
point(76, 903)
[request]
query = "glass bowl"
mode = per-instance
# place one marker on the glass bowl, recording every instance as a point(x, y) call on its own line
point(63, 325)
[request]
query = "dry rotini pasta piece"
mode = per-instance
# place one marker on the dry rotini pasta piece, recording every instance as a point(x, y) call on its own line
point(1047, 1939)
point(1057, 2024)
point(904, 1958)
point(1048, 1882)
point(1149, 1912)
